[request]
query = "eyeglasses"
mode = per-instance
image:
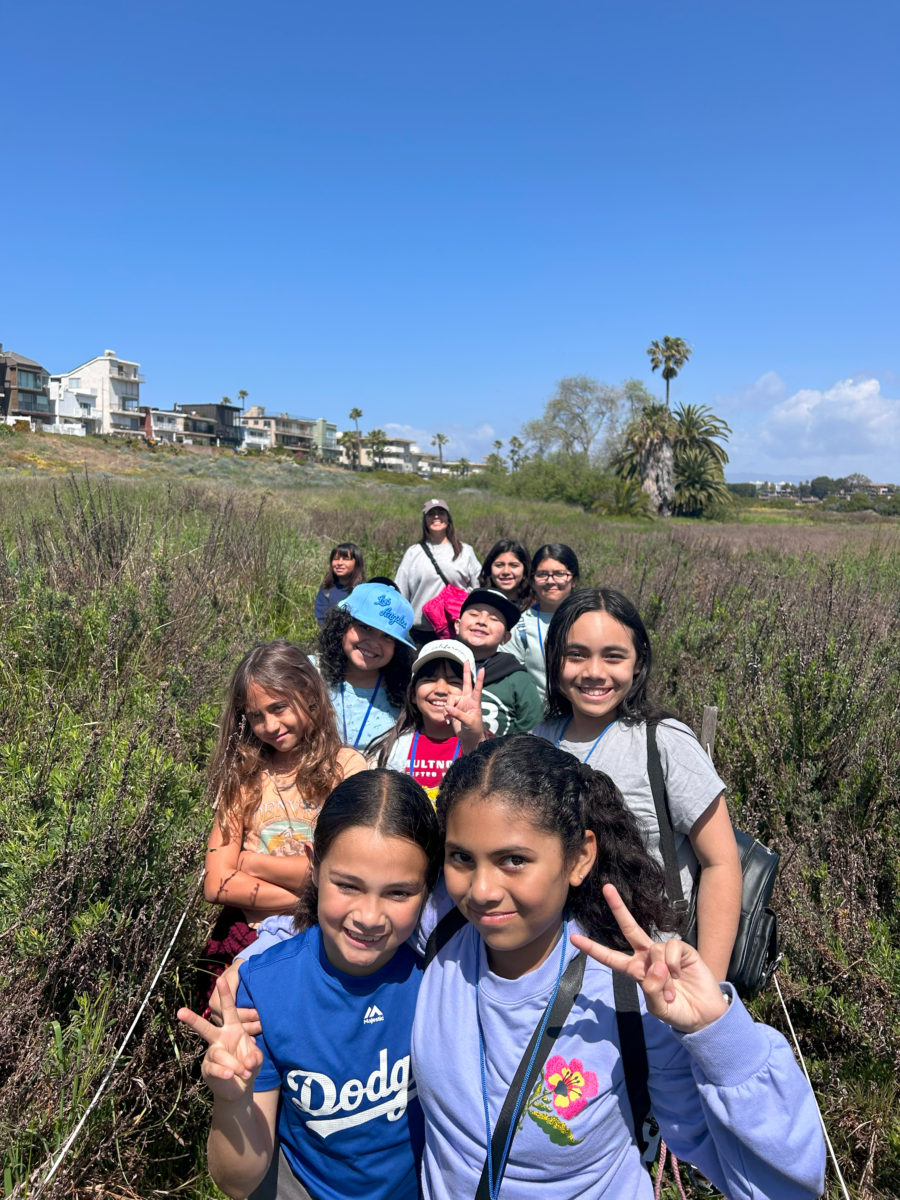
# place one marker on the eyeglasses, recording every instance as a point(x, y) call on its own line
point(555, 576)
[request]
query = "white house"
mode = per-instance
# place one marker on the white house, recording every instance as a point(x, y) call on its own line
point(103, 394)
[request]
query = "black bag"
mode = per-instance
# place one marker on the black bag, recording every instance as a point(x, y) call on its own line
point(755, 956)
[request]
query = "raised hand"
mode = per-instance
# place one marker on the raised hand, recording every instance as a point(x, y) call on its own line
point(232, 1060)
point(465, 712)
point(679, 987)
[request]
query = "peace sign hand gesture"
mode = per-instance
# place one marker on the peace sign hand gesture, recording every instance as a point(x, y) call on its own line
point(465, 713)
point(232, 1060)
point(678, 986)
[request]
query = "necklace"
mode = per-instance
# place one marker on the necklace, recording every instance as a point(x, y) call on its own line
point(309, 805)
point(493, 1191)
point(568, 722)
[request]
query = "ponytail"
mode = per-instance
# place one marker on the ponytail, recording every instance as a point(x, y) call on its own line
point(562, 796)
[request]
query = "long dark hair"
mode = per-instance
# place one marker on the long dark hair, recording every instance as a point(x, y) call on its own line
point(636, 706)
point(451, 531)
point(393, 805)
point(357, 575)
point(562, 553)
point(410, 719)
point(517, 550)
point(561, 796)
point(332, 661)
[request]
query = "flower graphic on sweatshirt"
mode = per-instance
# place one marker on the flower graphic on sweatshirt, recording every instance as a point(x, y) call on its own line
point(558, 1096)
point(571, 1086)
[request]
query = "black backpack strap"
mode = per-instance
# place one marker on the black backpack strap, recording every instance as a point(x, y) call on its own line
point(569, 987)
point(634, 1053)
point(449, 924)
point(674, 890)
point(427, 550)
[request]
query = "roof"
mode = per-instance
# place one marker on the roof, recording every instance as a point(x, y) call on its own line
point(21, 361)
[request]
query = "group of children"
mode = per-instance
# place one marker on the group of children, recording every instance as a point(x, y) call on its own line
point(349, 1066)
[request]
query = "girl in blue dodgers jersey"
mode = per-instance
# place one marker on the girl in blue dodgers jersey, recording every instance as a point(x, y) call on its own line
point(598, 667)
point(533, 841)
point(330, 1071)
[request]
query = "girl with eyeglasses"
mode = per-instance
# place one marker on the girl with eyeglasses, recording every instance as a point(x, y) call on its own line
point(554, 573)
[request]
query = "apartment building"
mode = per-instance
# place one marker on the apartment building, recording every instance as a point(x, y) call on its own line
point(102, 394)
point(24, 389)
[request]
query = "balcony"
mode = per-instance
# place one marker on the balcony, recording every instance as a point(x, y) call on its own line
point(125, 376)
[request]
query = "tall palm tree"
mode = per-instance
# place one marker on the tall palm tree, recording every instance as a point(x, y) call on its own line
point(440, 440)
point(355, 414)
point(377, 440)
point(671, 354)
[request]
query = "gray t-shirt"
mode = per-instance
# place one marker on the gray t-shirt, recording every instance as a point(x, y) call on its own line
point(691, 780)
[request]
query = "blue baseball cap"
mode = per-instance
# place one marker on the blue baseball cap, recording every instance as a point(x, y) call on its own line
point(383, 608)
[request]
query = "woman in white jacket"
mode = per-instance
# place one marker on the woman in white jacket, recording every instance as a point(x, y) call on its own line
point(438, 560)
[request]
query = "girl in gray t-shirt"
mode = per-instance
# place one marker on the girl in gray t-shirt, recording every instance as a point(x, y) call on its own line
point(598, 664)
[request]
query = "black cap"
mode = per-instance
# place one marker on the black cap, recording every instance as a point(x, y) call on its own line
point(507, 608)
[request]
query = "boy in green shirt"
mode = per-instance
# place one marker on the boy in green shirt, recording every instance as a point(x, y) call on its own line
point(510, 702)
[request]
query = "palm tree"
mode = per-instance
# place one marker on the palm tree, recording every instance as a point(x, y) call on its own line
point(463, 467)
point(516, 446)
point(671, 354)
point(440, 440)
point(242, 396)
point(354, 415)
point(377, 440)
point(648, 454)
point(348, 441)
point(700, 428)
point(699, 482)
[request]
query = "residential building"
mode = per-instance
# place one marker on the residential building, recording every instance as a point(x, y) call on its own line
point(24, 389)
point(283, 430)
point(398, 454)
point(226, 429)
point(325, 437)
point(103, 394)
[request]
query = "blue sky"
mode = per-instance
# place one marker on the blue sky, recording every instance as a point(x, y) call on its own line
point(435, 212)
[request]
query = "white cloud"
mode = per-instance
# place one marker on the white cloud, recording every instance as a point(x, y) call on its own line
point(851, 418)
point(465, 441)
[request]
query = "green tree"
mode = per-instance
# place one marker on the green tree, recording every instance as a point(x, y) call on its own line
point(575, 418)
point(377, 440)
point(350, 444)
point(648, 454)
point(440, 440)
point(462, 467)
point(699, 482)
point(671, 354)
point(516, 451)
point(699, 427)
point(354, 416)
point(823, 486)
point(242, 396)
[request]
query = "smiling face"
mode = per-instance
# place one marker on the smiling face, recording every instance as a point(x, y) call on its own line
point(367, 652)
point(482, 628)
point(507, 573)
point(275, 721)
point(598, 668)
point(439, 682)
point(371, 890)
point(553, 583)
point(437, 522)
point(342, 565)
point(510, 879)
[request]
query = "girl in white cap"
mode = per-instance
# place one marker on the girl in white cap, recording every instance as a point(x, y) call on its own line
point(439, 560)
point(441, 717)
point(364, 658)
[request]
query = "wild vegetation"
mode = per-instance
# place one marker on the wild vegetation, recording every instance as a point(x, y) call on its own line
point(125, 603)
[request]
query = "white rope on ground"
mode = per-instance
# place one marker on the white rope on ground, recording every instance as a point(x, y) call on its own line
point(67, 1145)
point(828, 1144)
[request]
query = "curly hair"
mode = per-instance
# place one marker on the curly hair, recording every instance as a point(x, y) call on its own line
point(387, 802)
point(332, 661)
point(240, 757)
point(560, 795)
point(636, 706)
point(517, 550)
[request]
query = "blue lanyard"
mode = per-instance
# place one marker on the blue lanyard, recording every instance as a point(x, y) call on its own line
point(537, 612)
point(411, 765)
point(365, 718)
point(493, 1191)
point(568, 722)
